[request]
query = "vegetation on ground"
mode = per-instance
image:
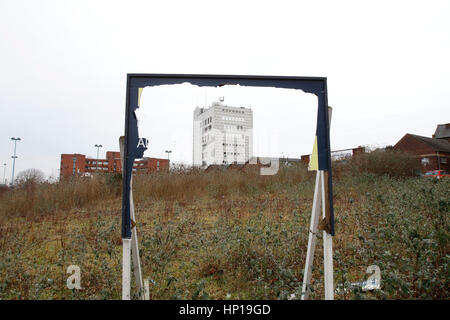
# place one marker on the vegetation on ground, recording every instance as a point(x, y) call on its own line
point(230, 234)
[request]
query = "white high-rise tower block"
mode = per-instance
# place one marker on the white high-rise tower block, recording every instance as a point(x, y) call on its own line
point(222, 134)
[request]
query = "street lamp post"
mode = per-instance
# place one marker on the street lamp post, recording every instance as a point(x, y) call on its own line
point(98, 146)
point(168, 156)
point(14, 157)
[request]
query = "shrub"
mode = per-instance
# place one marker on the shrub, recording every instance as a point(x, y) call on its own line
point(393, 163)
point(42, 198)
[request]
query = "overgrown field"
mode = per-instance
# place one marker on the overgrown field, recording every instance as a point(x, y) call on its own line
point(228, 235)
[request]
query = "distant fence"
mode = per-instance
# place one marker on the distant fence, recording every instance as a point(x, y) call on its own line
point(338, 154)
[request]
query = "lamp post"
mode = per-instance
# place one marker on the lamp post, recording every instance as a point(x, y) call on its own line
point(4, 173)
point(98, 146)
point(168, 155)
point(14, 157)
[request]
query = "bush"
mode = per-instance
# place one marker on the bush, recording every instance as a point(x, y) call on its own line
point(386, 162)
point(42, 198)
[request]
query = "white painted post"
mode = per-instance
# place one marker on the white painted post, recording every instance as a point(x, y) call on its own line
point(147, 290)
point(327, 251)
point(133, 251)
point(328, 265)
point(315, 214)
point(126, 269)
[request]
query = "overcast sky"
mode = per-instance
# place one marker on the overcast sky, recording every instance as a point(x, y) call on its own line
point(63, 64)
point(284, 120)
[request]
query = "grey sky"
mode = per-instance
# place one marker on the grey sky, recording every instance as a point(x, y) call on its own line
point(63, 64)
point(284, 120)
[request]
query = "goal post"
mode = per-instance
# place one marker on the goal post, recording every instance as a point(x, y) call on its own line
point(134, 146)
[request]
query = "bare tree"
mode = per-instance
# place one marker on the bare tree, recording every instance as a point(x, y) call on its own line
point(30, 176)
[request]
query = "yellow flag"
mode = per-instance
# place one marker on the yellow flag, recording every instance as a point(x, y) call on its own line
point(314, 161)
point(139, 96)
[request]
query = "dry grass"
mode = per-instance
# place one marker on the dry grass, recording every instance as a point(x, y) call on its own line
point(206, 235)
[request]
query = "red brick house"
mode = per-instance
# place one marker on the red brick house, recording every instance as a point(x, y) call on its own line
point(434, 153)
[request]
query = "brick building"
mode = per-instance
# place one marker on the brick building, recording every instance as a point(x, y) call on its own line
point(434, 153)
point(79, 164)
